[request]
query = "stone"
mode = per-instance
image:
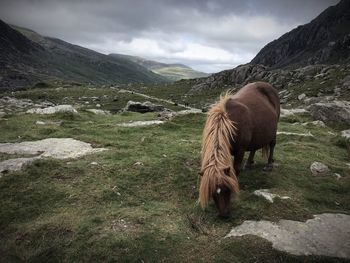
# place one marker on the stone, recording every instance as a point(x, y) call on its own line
point(324, 235)
point(2, 114)
point(58, 148)
point(337, 176)
point(331, 112)
point(54, 109)
point(309, 134)
point(316, 123)
point(166, 115)
point(17, 164)
point(143, 107)
point(140, 123)
point(289, 112)
point(40, 123)
point(318, 168)
point(346, 134)
point(302, 96)
point(265, 193)
point(99, 112)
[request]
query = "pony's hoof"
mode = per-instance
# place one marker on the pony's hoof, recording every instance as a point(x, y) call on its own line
point(268, 168)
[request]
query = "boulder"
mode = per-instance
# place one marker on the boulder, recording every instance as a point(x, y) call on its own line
point(288, 112)
point(302, 96)
point(346, 134)
point(323, 235)
point(58, 148)
point(143, 107)
point(318, 168)
point(331, 112)
point(98, 112)
point(15, 164)
point(53, 110)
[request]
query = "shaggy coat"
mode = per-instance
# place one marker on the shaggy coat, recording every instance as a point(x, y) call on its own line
point(245, 121)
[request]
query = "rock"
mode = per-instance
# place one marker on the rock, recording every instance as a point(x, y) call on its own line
point(318, 168)
point(324, 235)
point(302, 96)
point(166, 115)
point(93, 163)
point(309, 134)
point(40, 123)
point(138, 164)
point(53, 110)
point(346, 81)
point(337, 176)
point(265, 193)
point(140, 123)
point(2, 114)
point(316, 123)
point(289, 112)
point(189, 111)
point(58, 148)
point(143, 107)
point(346, 134)
point(331, 112)
point(98, 105)
point(99, 112)
point(15, 164)
point(49, 123)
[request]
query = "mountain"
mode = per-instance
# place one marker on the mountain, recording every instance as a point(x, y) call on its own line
point(172, 72)
point(326, 39)
point(26, 57)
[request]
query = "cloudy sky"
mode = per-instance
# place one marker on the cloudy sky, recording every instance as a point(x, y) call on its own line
point(207, 35)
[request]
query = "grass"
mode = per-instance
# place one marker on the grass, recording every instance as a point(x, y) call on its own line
point(71, 210)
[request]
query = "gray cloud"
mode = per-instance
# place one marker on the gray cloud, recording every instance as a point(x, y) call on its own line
point(207, 35)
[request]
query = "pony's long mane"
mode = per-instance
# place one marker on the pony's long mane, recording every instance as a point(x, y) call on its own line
point(216, 152)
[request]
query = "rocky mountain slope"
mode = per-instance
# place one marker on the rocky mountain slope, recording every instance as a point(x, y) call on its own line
point(312, 59)
point(27, 57)
point(326, 39)
point(172, 72)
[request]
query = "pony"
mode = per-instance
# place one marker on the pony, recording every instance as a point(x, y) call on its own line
point(244, 121)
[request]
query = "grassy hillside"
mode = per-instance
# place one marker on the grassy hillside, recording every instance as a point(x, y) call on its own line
point(72, 210)
point(172, 72)
point(53, 59)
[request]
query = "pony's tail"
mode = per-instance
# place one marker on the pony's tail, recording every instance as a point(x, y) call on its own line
point(265, 151)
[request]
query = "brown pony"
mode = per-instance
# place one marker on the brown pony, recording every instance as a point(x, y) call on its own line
point(245, 121)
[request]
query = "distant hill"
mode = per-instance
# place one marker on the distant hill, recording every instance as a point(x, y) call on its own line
point(26, 57)
point(173, 72)
point(326, 39)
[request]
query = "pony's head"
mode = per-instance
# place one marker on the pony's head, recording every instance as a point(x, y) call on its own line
point(218, 180)
point(219, 185)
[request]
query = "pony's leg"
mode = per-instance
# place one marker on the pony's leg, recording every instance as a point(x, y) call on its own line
point(250, 162)
point(238, 161)
point(268, 167)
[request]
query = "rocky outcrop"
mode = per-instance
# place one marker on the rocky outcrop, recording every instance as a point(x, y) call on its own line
point(331, 112)
point(54, 109)
point(143, 107)
point(326, 39)
point(281, 79)
point(324, 235)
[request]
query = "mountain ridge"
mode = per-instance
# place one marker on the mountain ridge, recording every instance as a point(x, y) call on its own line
point(174, 71)
point(326, 39)
point(27, 57)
